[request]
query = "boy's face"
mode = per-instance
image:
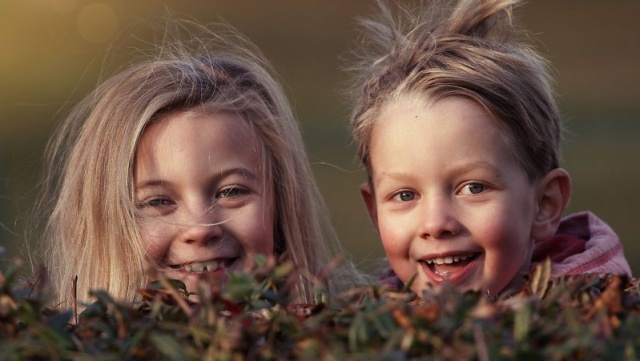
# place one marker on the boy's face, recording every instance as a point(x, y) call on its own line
point(448, 197)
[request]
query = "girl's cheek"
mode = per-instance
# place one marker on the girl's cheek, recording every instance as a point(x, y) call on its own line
point(155, 238)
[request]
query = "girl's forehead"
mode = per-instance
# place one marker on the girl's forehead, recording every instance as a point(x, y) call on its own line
point(215, 133)
point(194, 148)
point(235, 124)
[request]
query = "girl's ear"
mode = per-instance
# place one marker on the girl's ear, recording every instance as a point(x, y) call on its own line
point(554, 190)
point(368, 195)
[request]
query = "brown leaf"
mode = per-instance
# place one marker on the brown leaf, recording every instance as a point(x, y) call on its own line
point(610, 300)
point(427, 311)
point(484, 309)
point(539, 283)
point(304, 310)
point(402, 319)
point(7, 304)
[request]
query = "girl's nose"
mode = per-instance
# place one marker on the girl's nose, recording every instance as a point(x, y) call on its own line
point(438, 219)
point(202, 229)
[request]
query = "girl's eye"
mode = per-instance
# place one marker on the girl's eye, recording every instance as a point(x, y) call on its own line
point(472, 188)
point(232, 196)
point(405, 196)
point(156, 202)
point(156, 207)
point(232, 191)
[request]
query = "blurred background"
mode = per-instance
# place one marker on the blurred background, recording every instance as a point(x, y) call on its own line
point(53, 52)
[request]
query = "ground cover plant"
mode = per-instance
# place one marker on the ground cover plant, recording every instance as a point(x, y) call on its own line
point(595, 317)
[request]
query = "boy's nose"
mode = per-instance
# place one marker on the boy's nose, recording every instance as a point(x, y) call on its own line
point(438, 219)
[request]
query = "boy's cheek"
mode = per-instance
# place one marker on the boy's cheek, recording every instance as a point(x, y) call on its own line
point(394, 238)
point(390, 232)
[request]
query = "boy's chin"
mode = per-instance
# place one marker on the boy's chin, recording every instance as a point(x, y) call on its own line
point(491, 291)
point(512, 288)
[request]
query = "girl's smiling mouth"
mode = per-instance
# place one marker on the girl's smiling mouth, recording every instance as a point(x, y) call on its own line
point(219, 264)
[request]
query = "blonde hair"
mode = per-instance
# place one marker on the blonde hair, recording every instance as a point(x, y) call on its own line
point(88, 187)
point(471, 50)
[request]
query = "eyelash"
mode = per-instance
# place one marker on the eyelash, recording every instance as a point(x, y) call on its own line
point(155, 202)
point(238, 190)
point(468, 185)
point(398, 195)
point(229, 194)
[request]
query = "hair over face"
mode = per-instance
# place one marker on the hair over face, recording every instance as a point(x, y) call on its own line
point(472, 50)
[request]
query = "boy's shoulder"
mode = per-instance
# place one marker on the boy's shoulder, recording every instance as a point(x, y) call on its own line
point(584, 243)
point(389, 279)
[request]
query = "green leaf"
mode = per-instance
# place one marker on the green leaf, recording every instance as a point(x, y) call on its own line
point(168, 346)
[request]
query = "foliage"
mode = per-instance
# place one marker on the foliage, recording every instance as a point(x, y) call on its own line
point(569, 318)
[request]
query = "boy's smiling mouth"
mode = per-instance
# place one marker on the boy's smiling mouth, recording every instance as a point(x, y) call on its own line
point(445, 267)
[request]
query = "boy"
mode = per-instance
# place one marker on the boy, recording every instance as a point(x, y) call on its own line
point(457, 126)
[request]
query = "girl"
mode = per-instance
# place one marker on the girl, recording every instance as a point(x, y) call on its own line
point(191, 163)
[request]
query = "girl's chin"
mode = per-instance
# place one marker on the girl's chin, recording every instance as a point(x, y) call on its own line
point(200, 281)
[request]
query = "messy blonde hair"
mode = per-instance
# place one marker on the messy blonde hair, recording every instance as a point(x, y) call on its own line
point(472, 50)
point(88, 190)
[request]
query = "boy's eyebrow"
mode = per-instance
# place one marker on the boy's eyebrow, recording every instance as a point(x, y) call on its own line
point(245, 172)
point(467, 167)
point(387, 174)
point(461, 169)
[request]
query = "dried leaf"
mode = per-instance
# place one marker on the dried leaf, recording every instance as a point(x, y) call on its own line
point(539, 283)
point(611, 299)
point(560, 318)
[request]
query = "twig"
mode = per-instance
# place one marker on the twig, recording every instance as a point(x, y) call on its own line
point(481, 344)
point(172, 291)
point(74, 299)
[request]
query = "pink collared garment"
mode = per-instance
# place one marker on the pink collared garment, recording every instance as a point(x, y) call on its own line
point(583, 244)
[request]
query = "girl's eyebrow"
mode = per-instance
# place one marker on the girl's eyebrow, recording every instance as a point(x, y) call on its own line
point(243, 171)
point(150, 184)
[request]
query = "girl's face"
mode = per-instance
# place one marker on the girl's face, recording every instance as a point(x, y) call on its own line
point(204, 203)
point(449, 199)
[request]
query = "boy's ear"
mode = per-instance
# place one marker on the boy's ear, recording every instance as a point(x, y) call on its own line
point(368, 195)
point(554, 190)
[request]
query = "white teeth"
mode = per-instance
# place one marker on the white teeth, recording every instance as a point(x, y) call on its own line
point(196, 267)
point(447, 260)
point(208, 266)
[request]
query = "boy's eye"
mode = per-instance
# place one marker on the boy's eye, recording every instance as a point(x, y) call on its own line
point(405, 196)
point(472, 188)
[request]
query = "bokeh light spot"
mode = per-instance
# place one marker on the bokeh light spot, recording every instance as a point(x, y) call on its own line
point(97, 23)
point(64, 6)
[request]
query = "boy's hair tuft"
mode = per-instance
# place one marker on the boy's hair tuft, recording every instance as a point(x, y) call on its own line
point(470, 49)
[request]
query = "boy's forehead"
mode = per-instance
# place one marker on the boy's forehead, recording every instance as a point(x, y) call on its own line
point(423, 104)
point(423, 107)
point(453, 132)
